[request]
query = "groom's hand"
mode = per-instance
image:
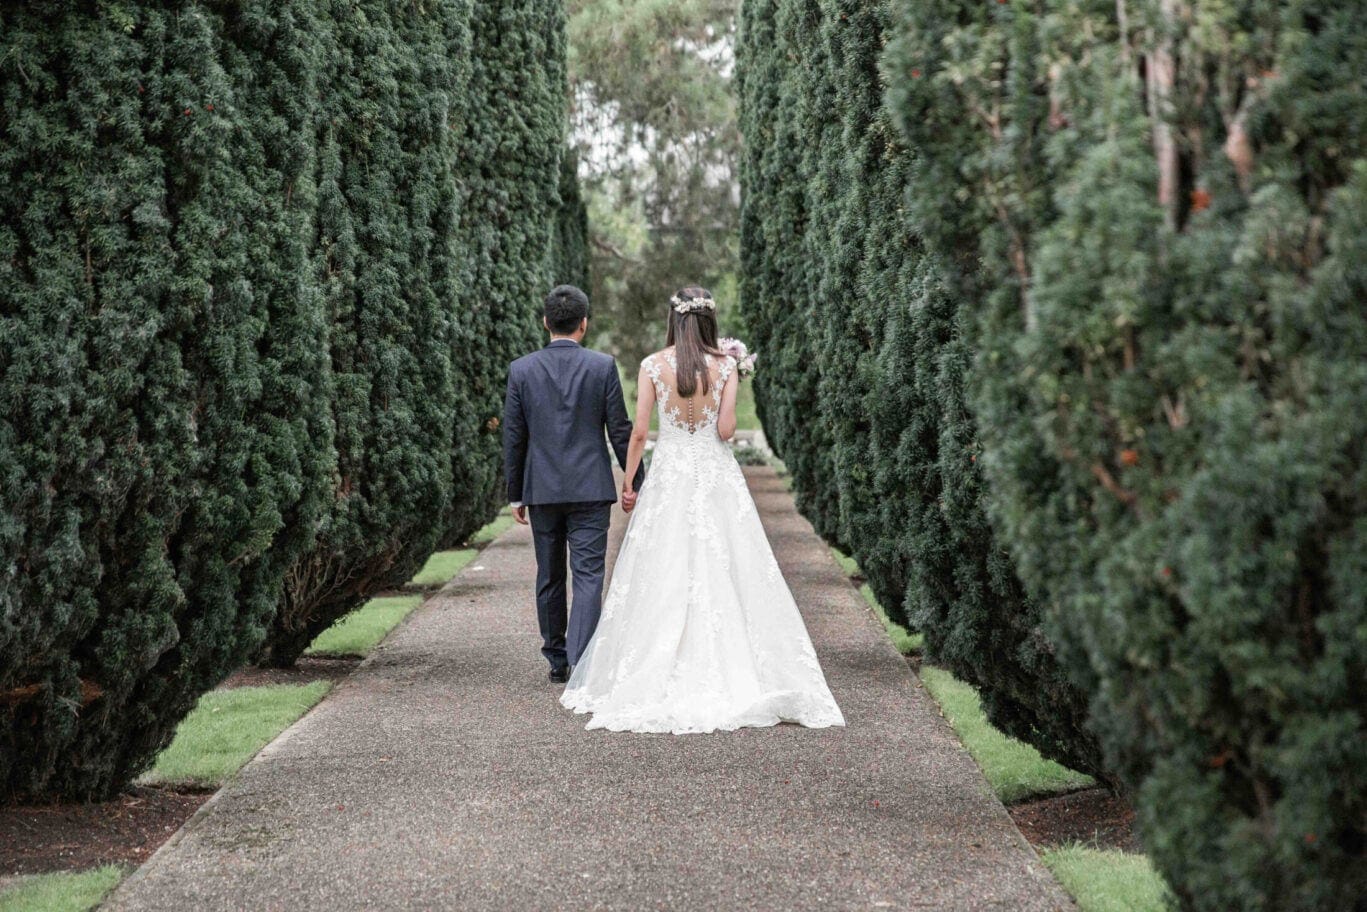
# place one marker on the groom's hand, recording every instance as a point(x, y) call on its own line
point(520, 514)
point(629, 501)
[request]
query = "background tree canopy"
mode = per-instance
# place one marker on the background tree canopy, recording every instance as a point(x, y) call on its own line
point(654, 123)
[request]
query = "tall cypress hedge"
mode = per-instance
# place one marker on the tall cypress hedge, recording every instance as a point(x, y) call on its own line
point(244, 357)
point(468, 134)
point(389, 264)
point(865, 366)
point(1162, 218)
point(569, 256)
point(778, 285)
point(511, 148)
point(1103, 377)
point(160, 458)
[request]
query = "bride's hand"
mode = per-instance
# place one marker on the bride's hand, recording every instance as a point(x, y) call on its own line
point(628, 500)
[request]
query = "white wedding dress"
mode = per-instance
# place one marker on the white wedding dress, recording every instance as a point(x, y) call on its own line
point(699, 632)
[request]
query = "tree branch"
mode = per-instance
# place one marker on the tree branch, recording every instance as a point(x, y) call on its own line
point(613, 250)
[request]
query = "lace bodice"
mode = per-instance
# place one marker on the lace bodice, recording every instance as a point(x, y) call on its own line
point(693, 414)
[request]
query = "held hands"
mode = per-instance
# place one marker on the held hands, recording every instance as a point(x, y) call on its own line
point(628, 500)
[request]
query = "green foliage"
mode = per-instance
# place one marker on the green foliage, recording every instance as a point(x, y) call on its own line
point(390, 263)
point(264, 266)
point(438, 226)
point(511, 144)
point(773, 59)
point(1162, 219)
point(1014, 769)
point(272, 51)
point(570, 242)
point(863, 381)
point(63, 892)
point(161, 457)
point(227, 728)
point(1106, 880)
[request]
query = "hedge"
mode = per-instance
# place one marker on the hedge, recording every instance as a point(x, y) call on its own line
point(863, 384)
point(1161, 218)
point(389, 265)
point(569, 256)
point(511, 148)
point(1089, 408)
point(496, 89)
point(248, 351)
point(160, 455)
point(777, 284)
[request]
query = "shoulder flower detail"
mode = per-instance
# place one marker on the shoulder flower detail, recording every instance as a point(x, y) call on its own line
point(745, 359)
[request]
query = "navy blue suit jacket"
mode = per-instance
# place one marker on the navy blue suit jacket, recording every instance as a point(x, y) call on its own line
point(560, 401)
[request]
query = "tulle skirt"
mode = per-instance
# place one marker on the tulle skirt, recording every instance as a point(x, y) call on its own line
point(699, 631)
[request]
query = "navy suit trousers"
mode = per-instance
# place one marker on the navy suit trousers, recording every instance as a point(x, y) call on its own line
point(582, 530)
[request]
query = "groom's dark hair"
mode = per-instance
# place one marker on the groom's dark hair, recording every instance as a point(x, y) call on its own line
point(565, 307)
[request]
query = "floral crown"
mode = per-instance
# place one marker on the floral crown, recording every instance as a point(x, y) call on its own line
point(689, 305)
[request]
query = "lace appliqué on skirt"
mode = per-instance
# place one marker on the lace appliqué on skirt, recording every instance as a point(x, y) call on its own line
point(699, 631)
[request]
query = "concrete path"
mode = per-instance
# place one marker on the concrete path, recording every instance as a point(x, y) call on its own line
point(443, 774)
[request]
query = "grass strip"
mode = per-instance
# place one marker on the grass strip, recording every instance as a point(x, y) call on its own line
point(907, 643)
point(849, 565)
point(1014, 769)
point(502, 523)
point(747, 415)
point(67, 891)
point(359, 632)
point(1108, 880)
point(226, 729)
point(1099, 880)
point(441, 566)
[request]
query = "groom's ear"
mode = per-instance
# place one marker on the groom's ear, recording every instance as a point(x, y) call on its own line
point(545, 325)
point(584, 325)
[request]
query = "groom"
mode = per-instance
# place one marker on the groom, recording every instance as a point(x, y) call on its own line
point(560, 401)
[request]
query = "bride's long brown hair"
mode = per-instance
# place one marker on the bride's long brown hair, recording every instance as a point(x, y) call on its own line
point(694, 336)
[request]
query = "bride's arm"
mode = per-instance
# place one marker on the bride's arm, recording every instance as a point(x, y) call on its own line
point(640, 431)
point(726, 419)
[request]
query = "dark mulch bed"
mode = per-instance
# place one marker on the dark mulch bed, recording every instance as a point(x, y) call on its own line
point(38, 839)
point(306, 670)
point(1092, 816)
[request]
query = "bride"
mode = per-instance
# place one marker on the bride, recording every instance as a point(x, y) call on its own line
point(699, 632)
